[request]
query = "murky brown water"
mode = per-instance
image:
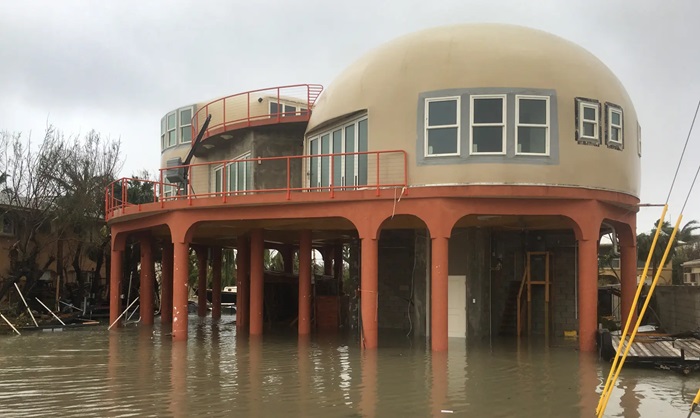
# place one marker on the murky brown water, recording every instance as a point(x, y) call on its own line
point(139, 372)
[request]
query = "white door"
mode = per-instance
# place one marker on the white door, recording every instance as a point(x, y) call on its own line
point(457, 306)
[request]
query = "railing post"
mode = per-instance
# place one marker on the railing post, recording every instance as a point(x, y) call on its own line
point(224, 173)
point(224, 114)
point(124, 196)
point(278, 105)
point(332, 176)
point(288, 179)
point(405, 172)
point(162, 190)
point(377, 155)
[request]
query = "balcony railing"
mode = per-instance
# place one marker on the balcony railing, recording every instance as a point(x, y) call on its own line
point(291, 103)
point(324, 175)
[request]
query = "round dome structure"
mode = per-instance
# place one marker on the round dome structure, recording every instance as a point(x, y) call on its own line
point(491, 104)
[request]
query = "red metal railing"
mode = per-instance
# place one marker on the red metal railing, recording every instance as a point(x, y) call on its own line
point(291, 103)
point(369, 170)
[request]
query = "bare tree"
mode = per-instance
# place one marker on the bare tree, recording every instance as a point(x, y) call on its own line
point(29, 198)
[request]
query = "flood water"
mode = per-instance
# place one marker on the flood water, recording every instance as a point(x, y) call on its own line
point(139, 372)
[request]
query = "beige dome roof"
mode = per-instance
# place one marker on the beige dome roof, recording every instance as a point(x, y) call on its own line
point(388, 81)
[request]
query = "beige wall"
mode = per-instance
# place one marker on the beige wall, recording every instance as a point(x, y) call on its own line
point(388, 81)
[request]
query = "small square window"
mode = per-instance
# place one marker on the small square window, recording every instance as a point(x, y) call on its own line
point(8, 226)
point(614, 127)
point(487, 125)
point(587, 121)
point(442, 126)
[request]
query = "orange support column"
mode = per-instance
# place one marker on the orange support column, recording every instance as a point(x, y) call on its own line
point(587, 293)
point(439, 290)
point(368, 292)
point(181, 266)
point(305, 282)
point(201, 281)
point(242, 283)
point(147, 277)
point(257, 281)
point(216, 283)
point(166, 284)
point(628, 282)
point(115, 285)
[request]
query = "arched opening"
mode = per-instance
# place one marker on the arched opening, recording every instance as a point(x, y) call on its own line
point(403, 269)
point(514, 275)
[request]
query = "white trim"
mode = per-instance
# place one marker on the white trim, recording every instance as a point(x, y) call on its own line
point(427, 127)
point(583, 104)
point(547, 124)
point(504, 118)
point(611, 110)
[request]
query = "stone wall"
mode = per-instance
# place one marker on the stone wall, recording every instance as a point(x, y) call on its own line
point(678, 307)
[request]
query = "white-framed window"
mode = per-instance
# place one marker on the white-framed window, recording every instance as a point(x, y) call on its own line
point(169, 191)
point(217, 180)
point(171, 136)
point(588, 120)
point(639, 139)
point(613, 128)
point(532, 125)
point(487, 120)
point(285, 108)
point(442, 126)
point(163, 133)
point(7, 225)
point(239, 175)
point(342, 171)
point(185, 125)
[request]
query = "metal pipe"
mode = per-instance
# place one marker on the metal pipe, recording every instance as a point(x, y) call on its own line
point(8, 323)
point(25, 304)
point(122, 314)
point(50, 311)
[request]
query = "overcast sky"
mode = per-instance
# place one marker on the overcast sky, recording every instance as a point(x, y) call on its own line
point(119, 66)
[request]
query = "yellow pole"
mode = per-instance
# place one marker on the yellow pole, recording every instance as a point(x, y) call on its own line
point(633, 308)
point(606, 396)
point(695, 403)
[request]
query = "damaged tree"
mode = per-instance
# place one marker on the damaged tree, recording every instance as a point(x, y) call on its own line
point(53, 195)
point(28, 201)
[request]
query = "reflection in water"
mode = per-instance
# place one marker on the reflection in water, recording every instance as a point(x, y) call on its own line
point(139, 371)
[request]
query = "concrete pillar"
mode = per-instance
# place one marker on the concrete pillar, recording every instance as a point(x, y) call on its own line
point(368, 292)
point(587, 294)
point(327, 254)
point(147, 276)
point(628, 280)
point(216, 283)
point(181, 272)
point(201, 280)
point(288, 258)
point(338, 265)
point(439, 290)
point(166, 284)
point(115, 285)
point(304, 323)
point(243, 283)
point(257, 281)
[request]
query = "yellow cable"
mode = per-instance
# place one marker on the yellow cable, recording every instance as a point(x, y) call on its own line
point(641, 315)
point(633, 308)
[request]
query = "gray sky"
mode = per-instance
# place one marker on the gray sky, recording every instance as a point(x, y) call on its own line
point(119, 66)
